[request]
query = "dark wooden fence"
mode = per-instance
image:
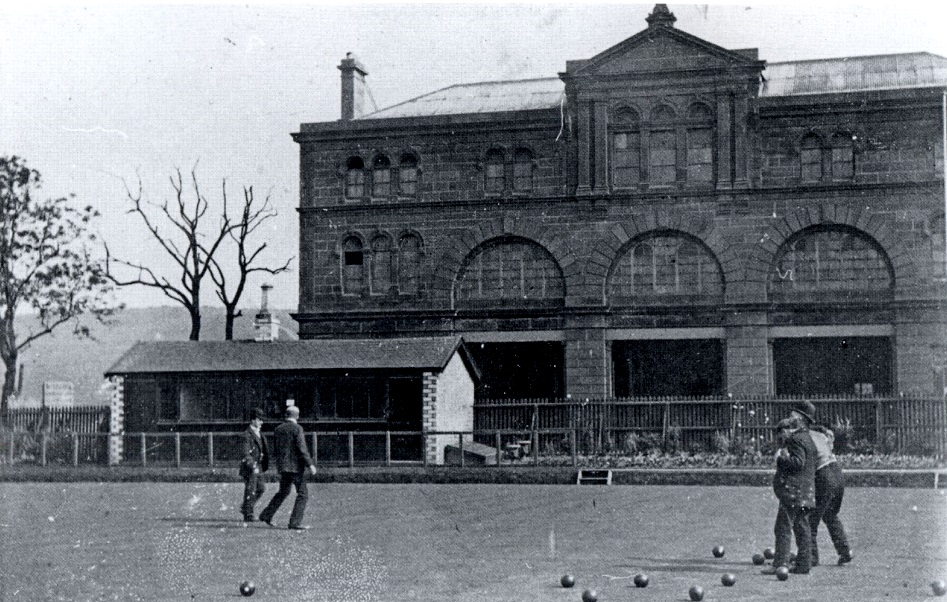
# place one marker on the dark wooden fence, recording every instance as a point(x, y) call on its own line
point(913, 425)
point(516, 432)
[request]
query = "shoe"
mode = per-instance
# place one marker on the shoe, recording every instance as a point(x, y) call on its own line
point(798, 570)
point(270, 524)
point(845, 558)
point(770, 570)
point(299, 527)
point(249, 519)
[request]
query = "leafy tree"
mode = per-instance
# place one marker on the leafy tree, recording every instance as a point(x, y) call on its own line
point(48, 266)
point(247, 256)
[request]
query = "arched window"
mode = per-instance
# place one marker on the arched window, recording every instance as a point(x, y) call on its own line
point(408, 175)
point(353, 266)
point(626, 149)
point(663, 113)
point(494, 172)
point(381, 177)
point(700, 157)
point(830, 261)
point(510, 271)
point(354, 178)
point(522, 171)
point(665, 264)
point(409, 264)
point(662, 151)
point(381, 265)
point(843, 157)
point(810, 159)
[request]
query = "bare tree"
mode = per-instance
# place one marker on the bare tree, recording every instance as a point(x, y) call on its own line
point(47, 267)
point(183, 239)
point(251, 218)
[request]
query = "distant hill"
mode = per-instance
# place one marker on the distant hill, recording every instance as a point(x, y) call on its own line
point(63, 357)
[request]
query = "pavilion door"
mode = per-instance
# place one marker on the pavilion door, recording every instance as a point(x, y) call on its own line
point(404, 414)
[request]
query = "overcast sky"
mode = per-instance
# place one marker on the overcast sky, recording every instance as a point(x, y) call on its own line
point(93, 95)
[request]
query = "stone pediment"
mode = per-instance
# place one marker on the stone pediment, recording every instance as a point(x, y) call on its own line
point(661, 49)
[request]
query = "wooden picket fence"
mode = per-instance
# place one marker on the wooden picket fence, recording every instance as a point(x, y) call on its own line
point(82, 419)
point(33, 434)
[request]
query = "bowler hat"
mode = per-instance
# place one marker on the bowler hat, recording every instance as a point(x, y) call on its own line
point(292, 412)
point(804, 408)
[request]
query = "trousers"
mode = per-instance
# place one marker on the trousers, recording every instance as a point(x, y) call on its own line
point(288, 480)
point(829, 491)
point(253, 488)
point(793, 521)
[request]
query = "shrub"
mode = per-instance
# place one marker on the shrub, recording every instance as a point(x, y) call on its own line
point(672, 441)
point(721, 443)
point(630, 445)
point(649, 443)
point(844, 434)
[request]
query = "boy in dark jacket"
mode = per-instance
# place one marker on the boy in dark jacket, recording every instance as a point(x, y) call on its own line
point(794, 485)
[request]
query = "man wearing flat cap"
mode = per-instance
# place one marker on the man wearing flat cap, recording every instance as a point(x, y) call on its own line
point(292, 459)
point(254, 463)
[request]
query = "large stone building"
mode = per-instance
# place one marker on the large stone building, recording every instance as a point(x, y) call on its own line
point(668, 217)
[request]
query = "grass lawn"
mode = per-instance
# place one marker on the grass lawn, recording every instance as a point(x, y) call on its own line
point(184, 541)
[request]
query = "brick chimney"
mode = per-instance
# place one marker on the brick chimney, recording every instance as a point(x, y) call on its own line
point(353, 87)
point(265, 324)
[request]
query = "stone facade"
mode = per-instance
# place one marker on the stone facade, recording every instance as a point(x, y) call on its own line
point(669, 196)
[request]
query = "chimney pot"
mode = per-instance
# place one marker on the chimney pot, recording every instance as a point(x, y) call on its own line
point(353, 87)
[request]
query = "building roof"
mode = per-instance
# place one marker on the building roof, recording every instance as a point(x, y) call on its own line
point(855, 74)
point(483, 97)
point(431, 353)
point(792, 78)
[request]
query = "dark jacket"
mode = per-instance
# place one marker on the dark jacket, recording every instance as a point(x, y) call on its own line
point(794, 483)
point(289, 448)
point(255, 453)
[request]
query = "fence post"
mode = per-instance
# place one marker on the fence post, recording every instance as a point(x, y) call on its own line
point(144, 450)
point(315, 449)
point(177, 450)
point(42, 450)
point(424, 448)
point(499, 444)
point(535, 434)
point(460, 440)
point(351, 449)
point(535, 446)
point(210, 449)
point(664, 423)
point(573, 443)
point(75, 449)
point(387, 448)
point(878, 423)
point(12, 443)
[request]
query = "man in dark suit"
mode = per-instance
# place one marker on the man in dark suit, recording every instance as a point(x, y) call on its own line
point(254, 463)
point(292, 459)
point(794, 485)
